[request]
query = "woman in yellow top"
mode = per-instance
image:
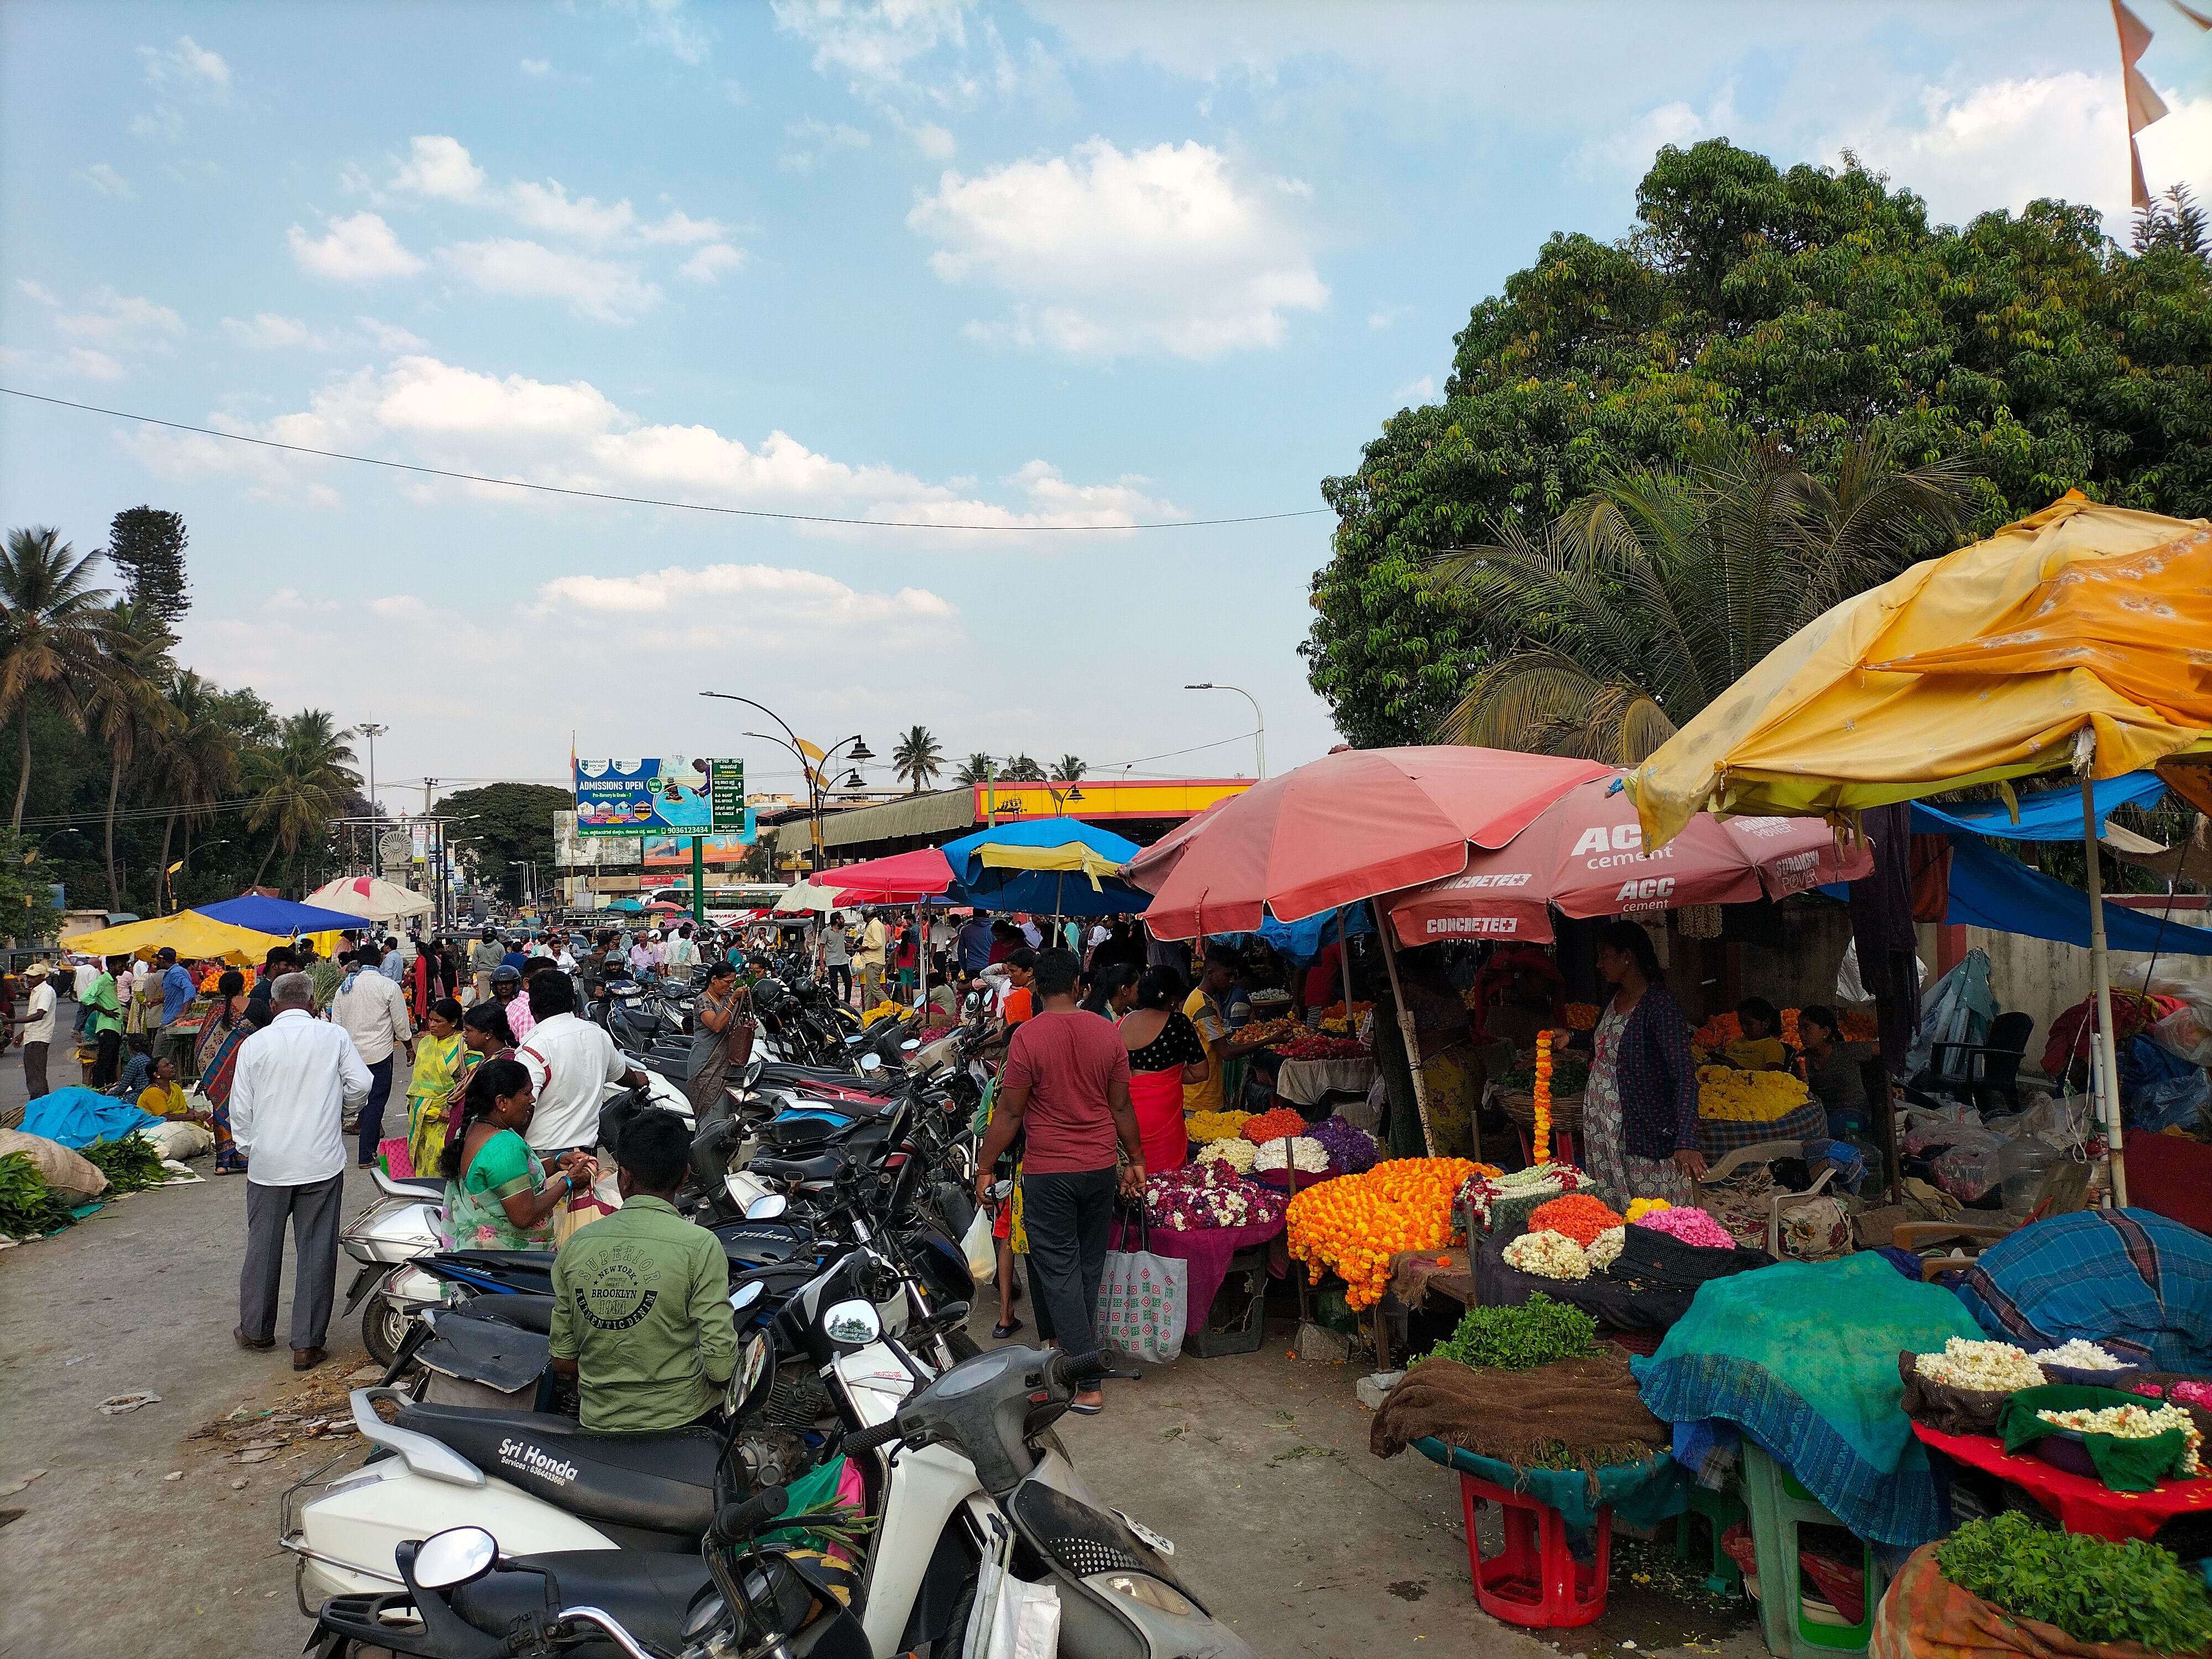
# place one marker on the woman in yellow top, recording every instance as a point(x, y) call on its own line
point(442, 1068)
point(1203, 1009)
point(164, 1097)
point(1761, 1048)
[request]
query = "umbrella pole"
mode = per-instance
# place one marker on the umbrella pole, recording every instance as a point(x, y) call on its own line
point(1404, 1029)
point(1343, 960)
point(2105, 1071)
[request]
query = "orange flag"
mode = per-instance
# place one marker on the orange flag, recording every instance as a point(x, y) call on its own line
point(2144, 105)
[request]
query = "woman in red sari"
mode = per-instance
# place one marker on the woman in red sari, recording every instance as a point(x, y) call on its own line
point(1165, 1052)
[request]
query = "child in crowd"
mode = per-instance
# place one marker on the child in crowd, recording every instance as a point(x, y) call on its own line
point(1759, 1048)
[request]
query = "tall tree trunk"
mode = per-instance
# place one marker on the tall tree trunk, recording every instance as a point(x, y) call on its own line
point(114, 784)
point(162, 865)
point(22, 762)
point(269, 853)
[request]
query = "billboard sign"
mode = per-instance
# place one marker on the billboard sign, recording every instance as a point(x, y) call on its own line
point(665, 852)
point(667, 796)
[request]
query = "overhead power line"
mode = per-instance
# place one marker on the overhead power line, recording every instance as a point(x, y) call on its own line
point(648, 501)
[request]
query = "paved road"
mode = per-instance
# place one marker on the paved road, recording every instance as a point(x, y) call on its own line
point(1257, 1466)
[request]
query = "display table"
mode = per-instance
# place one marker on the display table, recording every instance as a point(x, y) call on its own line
point(1206, 1252)
point(1309, 1082)
point(2081, 1503)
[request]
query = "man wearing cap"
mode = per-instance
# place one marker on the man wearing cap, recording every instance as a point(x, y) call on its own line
point(38, 1024)
point(507, 991)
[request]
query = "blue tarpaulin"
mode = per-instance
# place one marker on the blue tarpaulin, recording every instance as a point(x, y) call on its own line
point(2045, 814)
point(1990, 889)
point(275, 915)
point(77, 1117)
point(1303, 939)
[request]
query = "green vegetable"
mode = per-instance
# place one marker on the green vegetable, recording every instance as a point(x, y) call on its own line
point(1520, 1339)
point(28, 1207)
point(1570, 1074)
point(2094, 1590)
point(131, 1165)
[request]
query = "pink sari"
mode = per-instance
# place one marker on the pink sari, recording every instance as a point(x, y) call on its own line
point(1157, 1097)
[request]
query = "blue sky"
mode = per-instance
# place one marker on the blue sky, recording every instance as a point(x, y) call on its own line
point(1099, 265)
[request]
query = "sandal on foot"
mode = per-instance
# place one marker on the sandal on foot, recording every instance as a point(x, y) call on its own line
point(1002, 1332)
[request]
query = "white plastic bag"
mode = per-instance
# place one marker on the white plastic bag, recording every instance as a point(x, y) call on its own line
point(1025, 1624)
point(983, 1250)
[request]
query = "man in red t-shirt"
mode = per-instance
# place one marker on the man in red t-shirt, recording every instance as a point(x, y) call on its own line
point(1066, 1086)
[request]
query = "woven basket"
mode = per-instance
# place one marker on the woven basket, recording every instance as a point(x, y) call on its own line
point(1521, 1109)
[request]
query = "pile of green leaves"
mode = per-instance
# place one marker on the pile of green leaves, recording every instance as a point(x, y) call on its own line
point(132, 1163)
point(2094, 1590)
point(28, 1207)
point(1570, 1074)
point(1520, 1339)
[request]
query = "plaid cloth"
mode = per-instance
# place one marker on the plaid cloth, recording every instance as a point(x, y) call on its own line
point(1718, 1136)
point(2131, 1281)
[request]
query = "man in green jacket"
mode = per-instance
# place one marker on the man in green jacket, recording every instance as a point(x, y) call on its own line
point(640, 1299)
point(105, 1023)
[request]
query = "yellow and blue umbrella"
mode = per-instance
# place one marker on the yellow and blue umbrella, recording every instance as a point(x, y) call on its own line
point(1046, 867)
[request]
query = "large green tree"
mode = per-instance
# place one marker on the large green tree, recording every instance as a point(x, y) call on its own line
point(1800, 308)
point(501, 824)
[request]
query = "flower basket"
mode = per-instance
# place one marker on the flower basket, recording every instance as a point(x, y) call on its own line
point(1520, 1107)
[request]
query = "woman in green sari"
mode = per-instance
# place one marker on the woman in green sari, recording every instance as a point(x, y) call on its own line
point(497, 1195)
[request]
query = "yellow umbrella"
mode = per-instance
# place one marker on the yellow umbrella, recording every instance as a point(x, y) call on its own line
point(1071, 855)
point(189, 934)
point(2079, 638)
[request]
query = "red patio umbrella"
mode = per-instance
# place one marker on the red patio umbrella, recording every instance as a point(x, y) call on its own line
point(1345, 828)
point(1584, 854)
point(902, 878)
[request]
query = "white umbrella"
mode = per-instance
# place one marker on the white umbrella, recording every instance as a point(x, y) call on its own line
point(370, 898)
point(806, 895)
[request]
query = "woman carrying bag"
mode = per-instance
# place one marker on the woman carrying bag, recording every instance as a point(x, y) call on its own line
point(722, 1037)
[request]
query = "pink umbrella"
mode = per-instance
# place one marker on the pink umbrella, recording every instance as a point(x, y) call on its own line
point(1583, 856)
point(1344, 828)
point(902, 878)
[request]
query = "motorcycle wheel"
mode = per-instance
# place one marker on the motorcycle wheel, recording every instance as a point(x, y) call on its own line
point(960, 1345)
point(955, 1640)
point(383, 1328)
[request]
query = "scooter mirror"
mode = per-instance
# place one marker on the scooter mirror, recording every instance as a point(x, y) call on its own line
point(852, 1324)
point(454, 1557)
point(910, 1045)
point(744, 1296)
point(872, 1063)
point(766, 1207)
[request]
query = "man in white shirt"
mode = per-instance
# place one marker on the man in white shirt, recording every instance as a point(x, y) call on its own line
point(681, 952)
point(570, 1062)
point(875, 945)
point(374, 1012)
point(1032, 934)
point(287, 1102)
point(393, 966)
point(38, 1024)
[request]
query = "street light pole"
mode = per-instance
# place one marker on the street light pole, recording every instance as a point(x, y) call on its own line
point(372, 730)
point(806, 770)
point(1259, 720)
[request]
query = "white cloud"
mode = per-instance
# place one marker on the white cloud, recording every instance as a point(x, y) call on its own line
point(1107, 253)
point(163, 121)
point(1414, 394)
point(110, 318)
point(807, 140)
point(188, 61)
point(711, 263)
point(1628, 152)
point(38, 291)
point(92, 365)
point(106, 180)
point(935, 143)
point(662, 23)
point(575, 436)
point(440, 166)
point(681, 229)
point(2003, 143)
point(772, 599)
point(361, 249)
point(268, 332)
point(548, 207)
point(389, 336)
point(609, 291)
point(1387, 315)
point(536, 66)
point(873, 44)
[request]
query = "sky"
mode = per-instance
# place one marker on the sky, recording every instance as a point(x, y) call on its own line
point(1002, 269)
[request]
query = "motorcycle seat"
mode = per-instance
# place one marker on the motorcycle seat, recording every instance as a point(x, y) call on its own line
point(524, 1310)
point(648, 1592)
point(661, 1482)
point(820, 1166)
point(780, 1071)
point(536, 1261)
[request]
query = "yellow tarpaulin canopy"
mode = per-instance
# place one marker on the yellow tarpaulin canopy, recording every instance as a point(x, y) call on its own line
point(1071, 855)
point(189, 934)
point(1985, 665)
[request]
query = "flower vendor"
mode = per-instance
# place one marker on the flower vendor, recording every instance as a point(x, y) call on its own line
point(1832, 1071)
point(1759, 1048)
point(1640, 1105)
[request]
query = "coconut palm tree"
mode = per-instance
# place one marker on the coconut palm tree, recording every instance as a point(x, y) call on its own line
point(917, 758)
point(976, 769)
point(126, 707)
point(1654, 593)
point(1023, 769)
point(1070, 769)
point(195, 761)
point(300, 784)
point(54, 637)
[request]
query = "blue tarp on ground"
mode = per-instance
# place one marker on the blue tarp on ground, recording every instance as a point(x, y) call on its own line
point(77, 1117)
point(275, 915)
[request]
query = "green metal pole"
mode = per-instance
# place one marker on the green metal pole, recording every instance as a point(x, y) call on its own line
point(699, 880)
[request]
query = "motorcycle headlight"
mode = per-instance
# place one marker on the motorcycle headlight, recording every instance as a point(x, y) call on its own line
point(1148, 1591)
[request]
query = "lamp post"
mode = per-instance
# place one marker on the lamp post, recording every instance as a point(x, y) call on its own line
point(372, 730)
point(816, 771)
point(1259, 720)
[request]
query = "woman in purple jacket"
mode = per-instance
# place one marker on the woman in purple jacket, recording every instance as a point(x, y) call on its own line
point(1640, 1107)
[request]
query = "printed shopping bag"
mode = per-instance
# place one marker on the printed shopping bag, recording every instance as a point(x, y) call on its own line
point(1143, 1298)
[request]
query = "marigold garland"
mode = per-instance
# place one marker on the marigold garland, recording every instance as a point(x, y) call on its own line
point(1582, 1016)
point(1541, 1134)
point(1353, 1225)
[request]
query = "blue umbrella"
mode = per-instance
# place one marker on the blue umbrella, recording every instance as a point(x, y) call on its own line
point(276, 915)
point(1067, 891)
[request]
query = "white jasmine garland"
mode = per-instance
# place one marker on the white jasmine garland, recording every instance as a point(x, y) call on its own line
point(2135, 1423)
point(1605, 1249)
point(1549, 1255)
point(1306, 1153)
point(1988, 1367)
point(2079, 1356)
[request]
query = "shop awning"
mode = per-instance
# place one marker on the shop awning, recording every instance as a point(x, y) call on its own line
point(1989, 888)
point(264, 915)
point(902, 878)
point(2045, 815)
point(191, 935)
